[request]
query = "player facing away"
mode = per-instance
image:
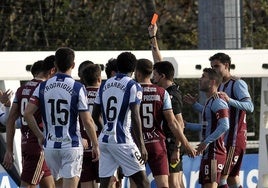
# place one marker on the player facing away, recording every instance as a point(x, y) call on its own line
point(34, 168)
point(61, 99)
point(155, 106)
point(121, 143)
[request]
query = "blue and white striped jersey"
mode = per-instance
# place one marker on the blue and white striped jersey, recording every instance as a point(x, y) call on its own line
point(115, 97)
point(60, 99)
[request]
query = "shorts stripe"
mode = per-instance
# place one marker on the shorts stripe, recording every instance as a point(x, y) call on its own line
point(229, 160)
point(213, 170)
point(38, 170)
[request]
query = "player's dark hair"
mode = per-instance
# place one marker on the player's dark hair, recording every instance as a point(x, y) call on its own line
point(64, 58)
point(126, 62)
point(82, 66)
point(165, 67)
point(37, 67)
point(213, 75)
point(110, 66)
point(90, 74)
point(144, 66)
point(221, 57)
point(49, 62)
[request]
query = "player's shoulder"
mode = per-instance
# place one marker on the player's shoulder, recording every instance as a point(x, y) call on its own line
point(237, 81)
point(174, 88)
point(218, 100)
point(174, 91)
point(235, 78)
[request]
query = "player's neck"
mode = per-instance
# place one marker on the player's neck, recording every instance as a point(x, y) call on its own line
point(145, 81)
point(68, 72)
point(167, 84)
point(92, 86)
point(39, 78)
point(226, 78)
point(211, 92)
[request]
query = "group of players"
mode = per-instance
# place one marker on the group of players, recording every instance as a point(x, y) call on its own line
point(78, 133)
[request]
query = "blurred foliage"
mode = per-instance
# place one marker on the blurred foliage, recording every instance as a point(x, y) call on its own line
point(114, 24)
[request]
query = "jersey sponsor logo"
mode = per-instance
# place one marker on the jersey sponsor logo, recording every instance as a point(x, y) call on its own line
point(106, 132)
point(150, 136)
point(55, 139)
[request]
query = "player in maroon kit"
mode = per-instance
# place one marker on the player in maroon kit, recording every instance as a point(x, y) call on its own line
point(235, 92)
point(155, 106)
point(34, 168)
point(91, 78)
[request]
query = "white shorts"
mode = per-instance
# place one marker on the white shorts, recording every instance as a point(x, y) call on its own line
point(114, 155)
point(64, 163)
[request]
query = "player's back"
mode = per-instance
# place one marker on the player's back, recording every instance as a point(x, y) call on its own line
point(22, 98)
point(154, 102)
point(237, 90)
point(91, 95)
point(116, 95)
point(60, 104)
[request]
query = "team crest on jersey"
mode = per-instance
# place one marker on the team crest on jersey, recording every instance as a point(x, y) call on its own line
point(139, 95)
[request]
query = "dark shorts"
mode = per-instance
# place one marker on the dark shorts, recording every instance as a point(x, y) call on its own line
point(157, 158)
point(34, 167)
point(170, 148)
point(120, 174)
point(210, 170)
point(234, 161)
point(90, 170)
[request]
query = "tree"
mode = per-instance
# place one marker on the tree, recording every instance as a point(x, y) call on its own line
point(113, 24)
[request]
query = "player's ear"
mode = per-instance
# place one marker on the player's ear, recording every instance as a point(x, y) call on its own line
point(73, 65)
point(99, 79)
